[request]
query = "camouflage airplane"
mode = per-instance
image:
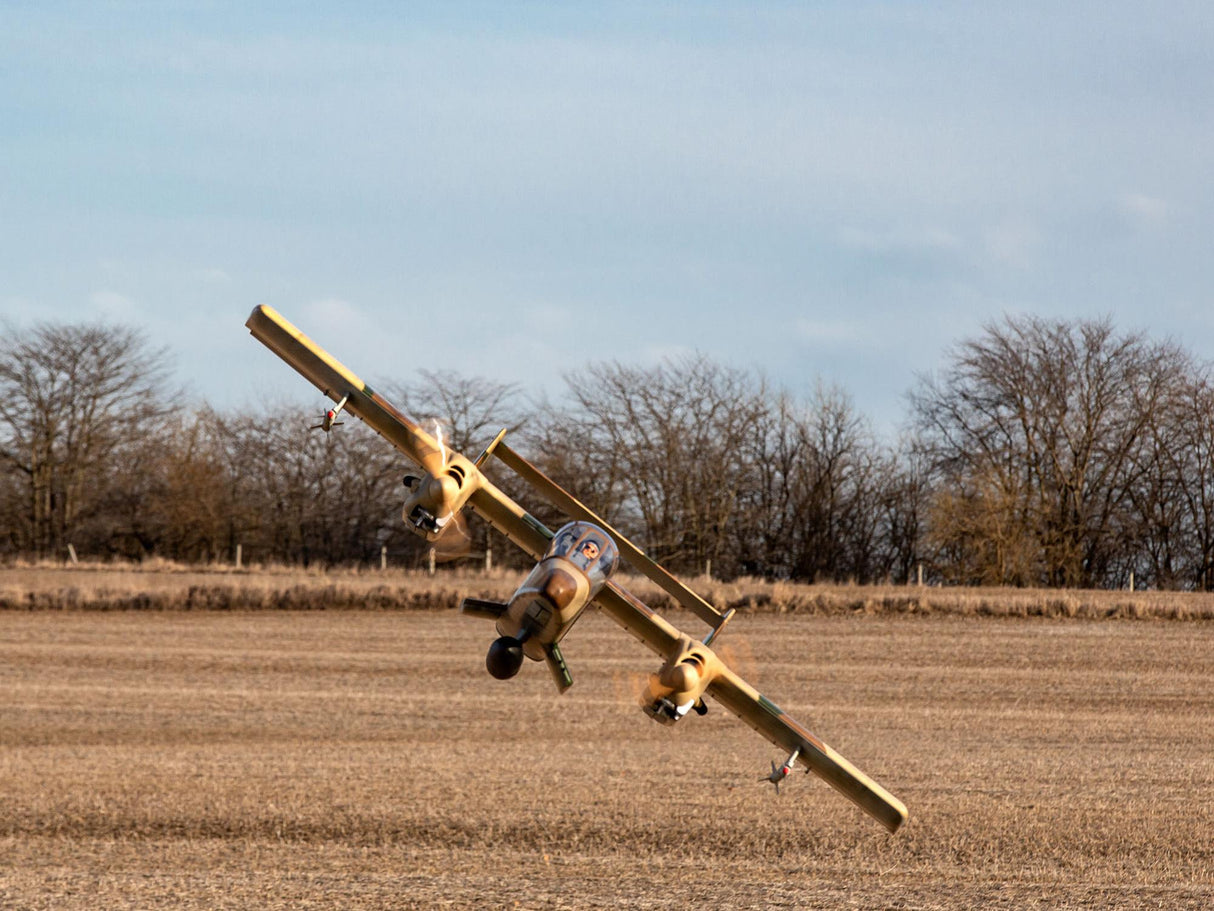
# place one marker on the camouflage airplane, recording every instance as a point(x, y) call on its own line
point(574, 569)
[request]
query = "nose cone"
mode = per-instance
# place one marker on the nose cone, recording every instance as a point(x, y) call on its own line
point(683, 678)
point(442, 492)
point(560, 588)
point(505, 657)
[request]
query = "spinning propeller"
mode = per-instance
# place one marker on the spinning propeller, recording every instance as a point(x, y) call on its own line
point(678, 687)
point(780, 772)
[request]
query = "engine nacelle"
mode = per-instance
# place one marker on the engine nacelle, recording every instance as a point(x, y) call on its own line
point(678, 686)
point(436, 499)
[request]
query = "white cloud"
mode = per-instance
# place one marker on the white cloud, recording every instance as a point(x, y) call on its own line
point(1144, 210)
point(924, 239)
point(660, 354)
point(828, 332)
point(20, 307)
point(112, 305)
point(332, 314)
point(210, 276)
point(1014, 242)
point(793, 156)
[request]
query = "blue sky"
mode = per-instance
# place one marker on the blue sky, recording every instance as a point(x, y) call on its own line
point(818, 190)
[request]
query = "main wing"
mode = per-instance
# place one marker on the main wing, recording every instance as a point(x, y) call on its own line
point(748, 704)
point(337, 382)
point(769, 719)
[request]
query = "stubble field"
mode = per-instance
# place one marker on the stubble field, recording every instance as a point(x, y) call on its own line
point(364, 759)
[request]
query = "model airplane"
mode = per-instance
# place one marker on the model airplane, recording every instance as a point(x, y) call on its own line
point(328, 420)
point(574, 569)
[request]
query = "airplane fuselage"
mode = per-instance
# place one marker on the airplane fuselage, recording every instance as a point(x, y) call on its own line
point(578, 562)
point(546, 605)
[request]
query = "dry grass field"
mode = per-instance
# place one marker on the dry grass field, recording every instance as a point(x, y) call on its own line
point(364, 759)
point(166, 586)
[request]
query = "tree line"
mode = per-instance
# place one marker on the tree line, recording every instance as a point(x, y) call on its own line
point(1042, 453)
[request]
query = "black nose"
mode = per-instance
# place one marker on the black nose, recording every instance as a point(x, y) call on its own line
point(505, 657)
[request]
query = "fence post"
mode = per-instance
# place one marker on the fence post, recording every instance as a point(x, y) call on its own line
point(488, 558)
point(383, 557)
point(239, 556)
point(71, 552)
point(432, 561)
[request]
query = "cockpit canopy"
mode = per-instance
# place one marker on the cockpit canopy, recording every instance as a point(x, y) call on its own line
point(587, 547)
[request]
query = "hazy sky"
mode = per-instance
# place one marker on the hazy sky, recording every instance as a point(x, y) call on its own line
point(819, 190)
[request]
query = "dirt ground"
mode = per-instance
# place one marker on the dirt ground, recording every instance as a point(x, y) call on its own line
point(365, 759)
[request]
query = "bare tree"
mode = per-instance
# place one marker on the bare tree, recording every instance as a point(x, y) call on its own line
point(76, 402)
point(674, 434)
point(198, 502)
point(1170, 523)
point(904, 492)
point(470, 410)
point(700, 462)
point(570, 448)
point(1038, 425)
point(765, 522)
point(834, 489)
point(310, 496)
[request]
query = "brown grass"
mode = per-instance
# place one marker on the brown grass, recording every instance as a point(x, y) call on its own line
point(169, 587)
point(364, 759)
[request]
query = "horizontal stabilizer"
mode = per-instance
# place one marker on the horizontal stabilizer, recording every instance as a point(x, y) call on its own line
point(476, 607)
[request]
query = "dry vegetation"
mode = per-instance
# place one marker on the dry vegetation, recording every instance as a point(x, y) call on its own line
point(224, 759)
point(158, 585)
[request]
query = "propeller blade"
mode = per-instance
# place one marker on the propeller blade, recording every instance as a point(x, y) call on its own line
point(455, 540)
point(434, 460)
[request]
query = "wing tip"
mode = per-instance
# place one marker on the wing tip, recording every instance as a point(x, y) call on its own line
point(256, 311)
point(895, 820)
